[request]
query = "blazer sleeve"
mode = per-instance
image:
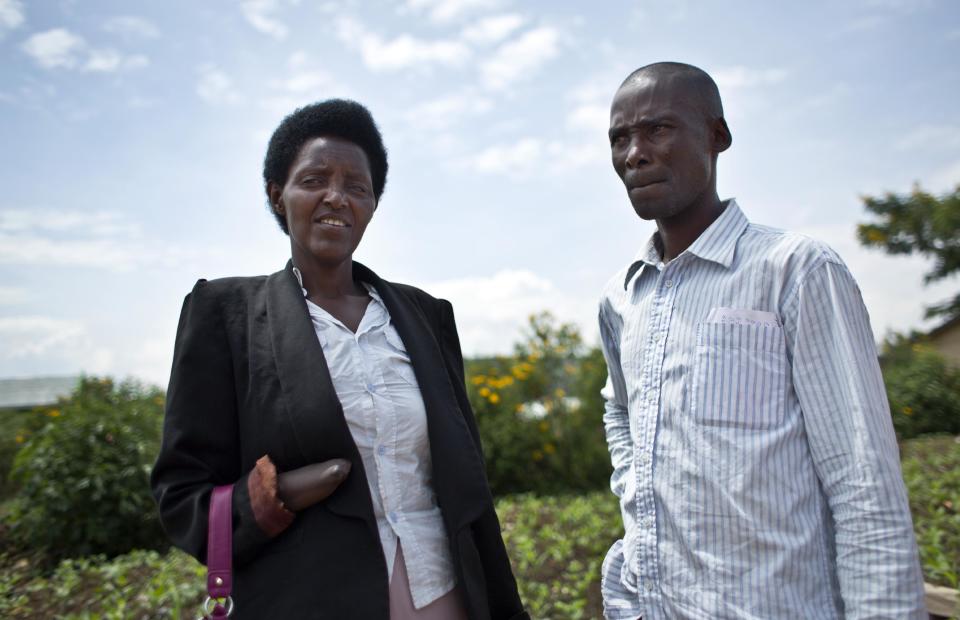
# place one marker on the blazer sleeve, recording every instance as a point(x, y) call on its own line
point(200, 446)
point(503, 597)
point(453, 360)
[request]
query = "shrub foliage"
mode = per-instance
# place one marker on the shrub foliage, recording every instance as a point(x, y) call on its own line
point(924, 391)
point(540, 412)
point(83, 477)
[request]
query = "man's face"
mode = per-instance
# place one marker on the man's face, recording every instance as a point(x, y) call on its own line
point(662, 146)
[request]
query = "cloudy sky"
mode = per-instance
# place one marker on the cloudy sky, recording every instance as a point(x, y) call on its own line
point(133, 135)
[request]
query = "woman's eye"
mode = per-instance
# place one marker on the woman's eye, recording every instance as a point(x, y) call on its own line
point(360, 189)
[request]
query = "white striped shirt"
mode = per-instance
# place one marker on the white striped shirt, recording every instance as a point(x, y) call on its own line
point(751, 439)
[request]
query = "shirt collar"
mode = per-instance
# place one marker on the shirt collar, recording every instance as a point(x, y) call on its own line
point(717, 243)
point(374, 296)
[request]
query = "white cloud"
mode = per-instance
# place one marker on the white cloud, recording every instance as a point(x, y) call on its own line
point(492, 29)
point(131, 27)
point(401, 52)
point(72, 238)
point(306, 81)
point(25, 336)
point(944, 179)
point(10, 296)
point(590, 117)
point(442, 11)
point(528, 156)
point(492, 310)
point(11, 15)
point(215, 87)
point(260, 15)
point(60, 48)
point(517, 59)
point(516, 159)
point(55, 48)
point(732, 78)
point(96, 224)
point(931, 137)
point(443, 112)
point(108, 61)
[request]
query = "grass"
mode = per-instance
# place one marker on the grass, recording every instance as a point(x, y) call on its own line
point(555, 543)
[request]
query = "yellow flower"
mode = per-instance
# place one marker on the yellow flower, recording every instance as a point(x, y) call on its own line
point(54, 413)
point(544, 426)
point(560, 392)
point(477, 379)
point(494, 398)
point(20, 438)
point(907, 411)
point(549, 448)
point(569, 368)
point(537, 455)
point(484, 391)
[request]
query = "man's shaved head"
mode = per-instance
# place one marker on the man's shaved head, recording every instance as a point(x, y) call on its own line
point(695, 82)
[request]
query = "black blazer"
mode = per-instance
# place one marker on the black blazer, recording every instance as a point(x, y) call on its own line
point(249, 378)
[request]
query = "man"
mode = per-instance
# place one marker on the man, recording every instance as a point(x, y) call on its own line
point(751, 439)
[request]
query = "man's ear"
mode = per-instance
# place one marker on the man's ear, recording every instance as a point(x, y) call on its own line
point(722, 138)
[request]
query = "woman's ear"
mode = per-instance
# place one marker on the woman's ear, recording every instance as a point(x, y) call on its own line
point(274, 193)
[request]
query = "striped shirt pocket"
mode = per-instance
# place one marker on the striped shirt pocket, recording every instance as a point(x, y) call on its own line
point(740, 374)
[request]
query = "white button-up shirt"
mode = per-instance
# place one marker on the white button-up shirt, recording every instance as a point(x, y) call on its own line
point(751, 439)
point(381, 401)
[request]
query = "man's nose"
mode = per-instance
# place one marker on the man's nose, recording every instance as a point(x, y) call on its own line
point(636, 155)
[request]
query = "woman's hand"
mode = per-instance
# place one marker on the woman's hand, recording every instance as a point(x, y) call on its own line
point(304, 487)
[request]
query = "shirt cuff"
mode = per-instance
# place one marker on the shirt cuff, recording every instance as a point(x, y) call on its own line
point(268, 510)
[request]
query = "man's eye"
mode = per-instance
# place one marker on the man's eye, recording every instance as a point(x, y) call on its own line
point(360, 189)
point(619, 140)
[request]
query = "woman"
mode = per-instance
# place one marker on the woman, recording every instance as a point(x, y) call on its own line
point(334, 402)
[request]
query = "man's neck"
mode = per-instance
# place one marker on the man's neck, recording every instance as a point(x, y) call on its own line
point(678, 232)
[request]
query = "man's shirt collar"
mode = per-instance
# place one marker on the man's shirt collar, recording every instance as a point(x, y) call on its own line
point(718, 243)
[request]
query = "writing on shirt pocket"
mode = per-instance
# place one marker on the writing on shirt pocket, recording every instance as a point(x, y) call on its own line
point(740, 374)
point(400, 366)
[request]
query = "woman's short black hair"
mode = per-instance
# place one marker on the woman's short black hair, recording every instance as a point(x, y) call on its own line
point(339, 118)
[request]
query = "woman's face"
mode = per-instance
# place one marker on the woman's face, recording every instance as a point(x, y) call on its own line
point(327, 201)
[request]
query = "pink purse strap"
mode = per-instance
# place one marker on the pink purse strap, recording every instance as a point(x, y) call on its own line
point(220, 552)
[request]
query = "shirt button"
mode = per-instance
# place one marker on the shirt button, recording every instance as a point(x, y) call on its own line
point(381, 450)
point(656, 337)
point(652, 398)
point(668, 283)
point(648, 585)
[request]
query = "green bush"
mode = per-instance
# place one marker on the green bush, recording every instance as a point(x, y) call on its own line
point(924, 392)
point(540, 413)
point(83, 477)
point(931, 471)
point(15, 428)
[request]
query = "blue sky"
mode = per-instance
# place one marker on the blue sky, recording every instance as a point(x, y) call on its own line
point(133, 135)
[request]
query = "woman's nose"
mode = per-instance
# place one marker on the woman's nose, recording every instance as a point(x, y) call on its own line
point(335, 198)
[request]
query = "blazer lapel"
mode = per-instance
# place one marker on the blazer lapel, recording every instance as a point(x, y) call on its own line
point(310, 398)
point(458, 477)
